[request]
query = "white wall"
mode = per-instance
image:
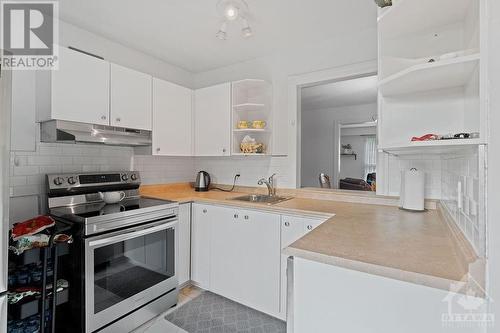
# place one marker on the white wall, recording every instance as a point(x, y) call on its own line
point(494, 162)
point(318, 136)
point(349, 47)
point(71, 35)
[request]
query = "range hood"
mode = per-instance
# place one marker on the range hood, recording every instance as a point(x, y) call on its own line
point(73, 132)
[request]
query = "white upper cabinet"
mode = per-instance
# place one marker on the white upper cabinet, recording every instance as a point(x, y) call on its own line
point(130, 98)
point(212, 125)
point(172, 119)
point(77, 91)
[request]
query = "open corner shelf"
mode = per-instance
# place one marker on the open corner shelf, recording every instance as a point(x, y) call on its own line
point(244, 154)
point(442, 74)
point(251, 101)
point(431, 147)
point(251, 130)
point(249, 107)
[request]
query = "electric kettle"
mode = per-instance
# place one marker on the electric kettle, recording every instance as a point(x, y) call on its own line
point(202, 183)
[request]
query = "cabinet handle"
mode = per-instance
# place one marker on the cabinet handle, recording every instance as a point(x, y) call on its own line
point(204, 211)
point(287, 224)
point(157, 149)
point(118, 119)
point(235, 216)
point(104, 117)
point(247, 217)
point(309, 227)
point(223, 150)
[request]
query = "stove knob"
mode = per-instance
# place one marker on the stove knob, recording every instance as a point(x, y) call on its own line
point(124, 177)
point(134, 177)
point(72, 180)
point(58, 181)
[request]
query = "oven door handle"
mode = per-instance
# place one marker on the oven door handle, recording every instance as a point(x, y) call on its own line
point(131, 234)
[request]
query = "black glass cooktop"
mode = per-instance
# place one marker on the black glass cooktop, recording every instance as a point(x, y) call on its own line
point(80, 212)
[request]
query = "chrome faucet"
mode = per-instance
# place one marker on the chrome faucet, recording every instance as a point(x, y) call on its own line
point(270, 185)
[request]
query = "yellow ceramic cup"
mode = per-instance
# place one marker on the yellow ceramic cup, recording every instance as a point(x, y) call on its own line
point(258, 124)
point(242, 124)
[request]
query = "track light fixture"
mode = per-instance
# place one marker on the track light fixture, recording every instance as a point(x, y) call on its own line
point(231, 11)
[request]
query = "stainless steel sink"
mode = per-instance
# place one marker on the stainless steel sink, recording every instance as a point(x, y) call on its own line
point(260, 198)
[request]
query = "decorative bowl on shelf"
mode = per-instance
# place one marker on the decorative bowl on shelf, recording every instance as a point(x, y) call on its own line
point(252, 148)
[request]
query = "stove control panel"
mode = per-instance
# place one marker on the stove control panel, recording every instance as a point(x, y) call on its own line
point(94, 179)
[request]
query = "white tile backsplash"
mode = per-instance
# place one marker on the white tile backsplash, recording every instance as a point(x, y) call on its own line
point(429, 164)
point(466, 169)
point(251, 169)
point(28, 170)
point(162, 170)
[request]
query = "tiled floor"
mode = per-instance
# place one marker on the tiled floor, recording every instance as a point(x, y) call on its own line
point(159, 324)
point(211, 313)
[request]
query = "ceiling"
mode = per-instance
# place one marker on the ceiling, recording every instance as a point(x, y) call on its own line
point(182, 32)
point(343, 93)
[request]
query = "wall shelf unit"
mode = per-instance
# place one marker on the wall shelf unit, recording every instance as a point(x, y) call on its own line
point(418, 96)
point(410, 16)
point(251, 101)
point(431, 147)
point(350, 155)
point(443, 74)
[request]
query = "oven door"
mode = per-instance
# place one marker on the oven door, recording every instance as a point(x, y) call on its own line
point(127, 269)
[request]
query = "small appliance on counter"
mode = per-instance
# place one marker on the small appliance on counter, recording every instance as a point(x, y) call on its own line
point(202, 183)
point(412, 196)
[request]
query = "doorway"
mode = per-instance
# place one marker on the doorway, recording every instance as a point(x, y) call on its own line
point(338, 128)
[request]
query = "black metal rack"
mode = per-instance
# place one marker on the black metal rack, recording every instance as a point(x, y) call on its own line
point(48, 300)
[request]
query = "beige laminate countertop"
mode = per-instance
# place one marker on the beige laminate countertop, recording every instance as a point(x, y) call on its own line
point(381, 240)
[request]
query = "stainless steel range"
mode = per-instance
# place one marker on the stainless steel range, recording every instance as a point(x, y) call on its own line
point(124, 259)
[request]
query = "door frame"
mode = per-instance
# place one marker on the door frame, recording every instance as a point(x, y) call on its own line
point(299, 81)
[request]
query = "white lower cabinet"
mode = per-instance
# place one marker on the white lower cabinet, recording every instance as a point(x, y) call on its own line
point(202, 217)
point(184, 247)
point(292, 228)
point(236, 253)
point(245, 258)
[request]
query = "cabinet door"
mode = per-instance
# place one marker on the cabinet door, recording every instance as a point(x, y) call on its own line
point(212, 130)
point(172, 119)
point(80, 88)
point(292, 229)
point(201, 222)
point(184, 249)
point(131, 98)
point(245, 258)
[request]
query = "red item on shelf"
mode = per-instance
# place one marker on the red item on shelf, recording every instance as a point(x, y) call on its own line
point(32, 226)
point(427, 137)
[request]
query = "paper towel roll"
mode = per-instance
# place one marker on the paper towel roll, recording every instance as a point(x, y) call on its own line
point(412, 195)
